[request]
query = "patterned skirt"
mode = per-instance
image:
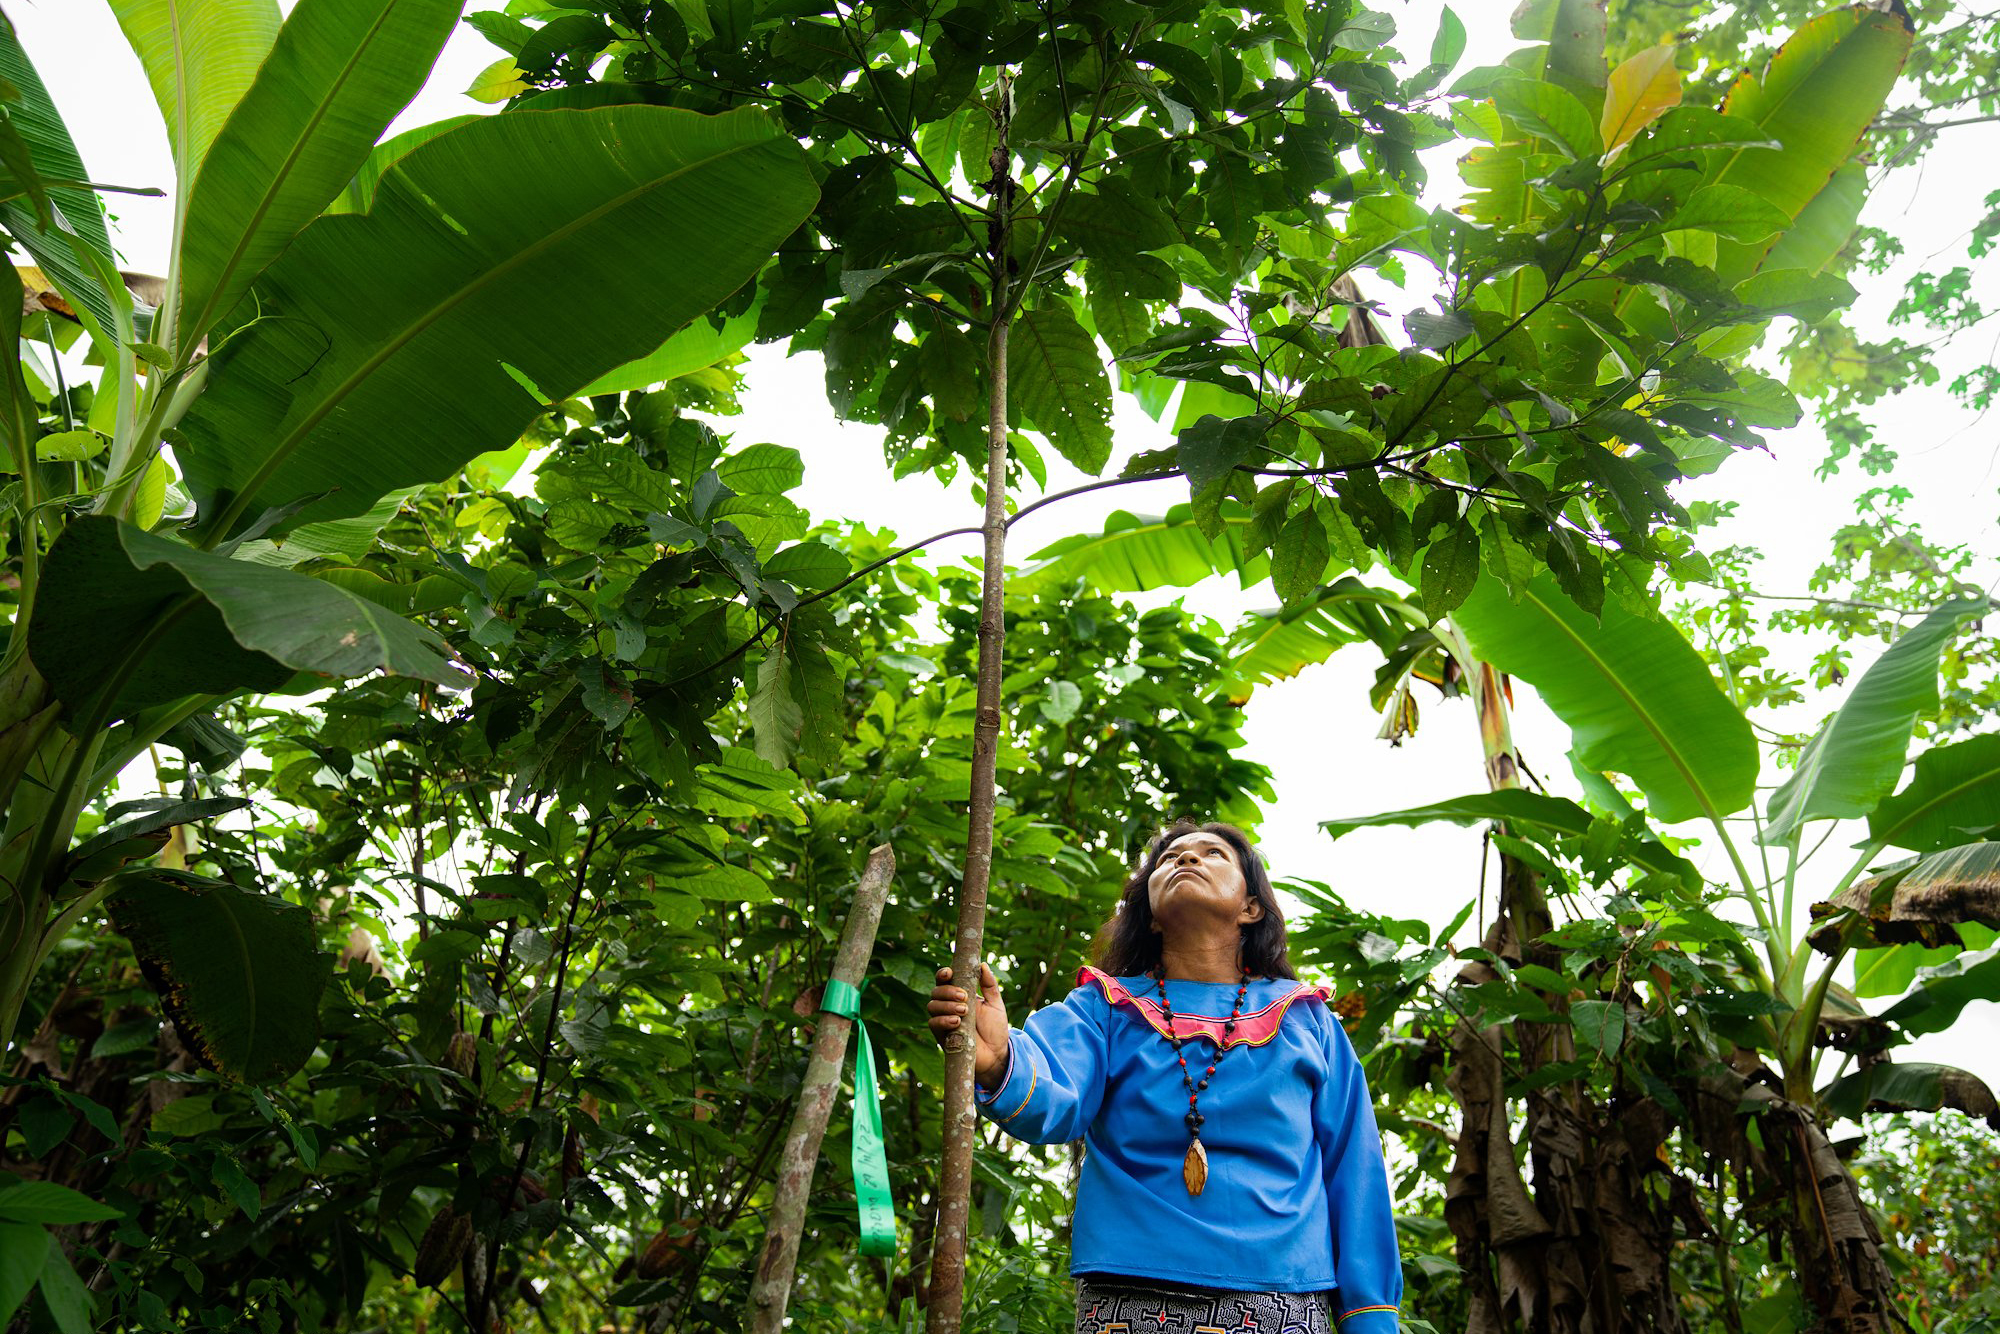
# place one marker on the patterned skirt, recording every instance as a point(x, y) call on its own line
point(1114, 1304)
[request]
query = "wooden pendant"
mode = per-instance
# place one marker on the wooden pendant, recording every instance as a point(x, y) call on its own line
point(1194, 1168)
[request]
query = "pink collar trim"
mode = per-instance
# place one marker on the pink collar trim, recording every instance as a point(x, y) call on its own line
point(1253, 1029)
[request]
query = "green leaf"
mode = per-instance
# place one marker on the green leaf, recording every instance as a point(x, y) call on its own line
point(1063, 702)
point(70, 446)
point(359, 194)
point(1910, 1086)
point(1135, 553)
point(694, 348)
point(238, 1186)
point(775, 715)
point(1300, 556)
point(1450, 569)
point(354, 389)
point(199, 56)
point(1938, 1004)
point(76, 251)
point(1821, 230)
point(239, 973)
point(22, 1255)
point(47, 1202)
point(1057, 380)
point(1209, 450)
point(157, 620)
point(1820, 92)
point(1889, 970)
point(1953, 789)
point(1572, 34)
point(1271, 646)
point(1729, 211)
point(1856, 758)
point(1809, 297)
point(1558, 814)
point(1601, 1024)
point(70, 1304)
point(339, 72)
point(762, 470)
point(1551, 112)
point(1637, 697)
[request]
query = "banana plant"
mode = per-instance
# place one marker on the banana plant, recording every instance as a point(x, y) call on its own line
point(341, 320)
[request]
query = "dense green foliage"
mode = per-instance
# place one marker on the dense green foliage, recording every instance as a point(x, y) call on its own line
point(438, 757)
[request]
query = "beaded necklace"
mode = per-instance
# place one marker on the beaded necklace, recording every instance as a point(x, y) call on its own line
point(1194, 1168)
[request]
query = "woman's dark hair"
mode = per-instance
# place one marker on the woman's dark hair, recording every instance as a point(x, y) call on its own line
point(1127, 945)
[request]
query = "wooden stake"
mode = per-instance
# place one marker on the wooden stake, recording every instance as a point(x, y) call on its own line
point(772, 1288)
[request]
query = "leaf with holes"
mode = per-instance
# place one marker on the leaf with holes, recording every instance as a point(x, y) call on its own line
point(1058, 382)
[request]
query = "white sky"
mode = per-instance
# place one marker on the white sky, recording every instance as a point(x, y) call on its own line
point(1315, 731)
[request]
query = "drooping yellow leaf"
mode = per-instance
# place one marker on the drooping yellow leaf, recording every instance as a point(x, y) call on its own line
point(1639, 92)
point(498, 82)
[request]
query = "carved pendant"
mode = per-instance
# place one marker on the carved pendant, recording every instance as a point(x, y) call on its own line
point(1194, 1168)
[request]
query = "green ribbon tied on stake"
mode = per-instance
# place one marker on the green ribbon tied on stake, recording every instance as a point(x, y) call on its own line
point(872, 1200)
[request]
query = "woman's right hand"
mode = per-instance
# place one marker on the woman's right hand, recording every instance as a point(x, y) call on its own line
point(948, 1007)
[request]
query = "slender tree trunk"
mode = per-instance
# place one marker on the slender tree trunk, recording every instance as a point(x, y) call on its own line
point(772, 1288)
point(947, 1286)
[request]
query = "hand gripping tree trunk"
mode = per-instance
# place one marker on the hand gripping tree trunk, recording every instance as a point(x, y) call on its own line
point(772, 1288)
point(947, 1288)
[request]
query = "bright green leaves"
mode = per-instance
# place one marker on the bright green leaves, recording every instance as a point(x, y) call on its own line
point(1815, 98)
point(240, 973)
point(1636, 696)
point(1856, 758)
point(199, 57)
point(127, 619)
point(1057, 379)
point(74, 251)
point(1953, 790)
point(361, 388)
point(339, 72)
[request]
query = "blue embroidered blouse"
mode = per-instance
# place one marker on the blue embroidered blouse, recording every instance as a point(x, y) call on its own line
point(1297, 1197)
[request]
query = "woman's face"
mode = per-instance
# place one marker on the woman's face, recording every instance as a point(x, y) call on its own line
point(1199, 876)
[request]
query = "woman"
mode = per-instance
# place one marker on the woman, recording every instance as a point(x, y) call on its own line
point(1232, 1173)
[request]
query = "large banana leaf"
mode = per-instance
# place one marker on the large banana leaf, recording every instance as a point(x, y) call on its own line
point(1637, 697)
point(1135, 553)
point(76, 248)
point(504, 265)
point(1856, 758)
point(359, 194)
point(1911, 1087)
point(199, 56)
point(1936, 1005)
point(154, 620)
point(340, 72)
point(240, 973)
point(1558, 814)
point(1572, 52)
point(1816, 97)
point(1953, 792)
point(1924, 901)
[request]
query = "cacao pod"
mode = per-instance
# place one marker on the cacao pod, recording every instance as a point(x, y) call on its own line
point(462, 1053)
point(531, 1190)
point(668, 1250)
point(442, 1247)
